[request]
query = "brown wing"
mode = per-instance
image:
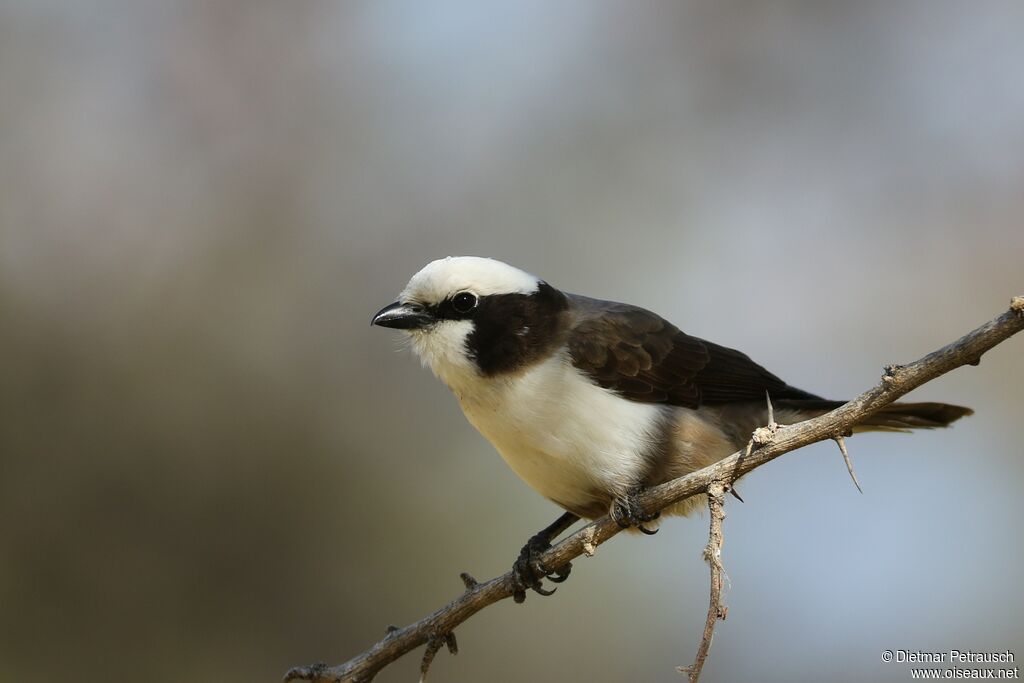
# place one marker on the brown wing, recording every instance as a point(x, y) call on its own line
point(645, 358)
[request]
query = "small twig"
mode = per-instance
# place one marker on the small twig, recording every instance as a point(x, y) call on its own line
point(468, 580)
point(313, 672)
point(838, 438)
point(713, 556)
point(434, 645)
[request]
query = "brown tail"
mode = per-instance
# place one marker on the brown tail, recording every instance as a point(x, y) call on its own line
point(895, 416)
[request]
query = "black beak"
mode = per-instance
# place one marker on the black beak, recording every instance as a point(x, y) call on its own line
point(403, 316)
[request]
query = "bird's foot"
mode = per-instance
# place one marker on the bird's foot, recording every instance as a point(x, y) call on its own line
point(528, 571)
point(626, 512)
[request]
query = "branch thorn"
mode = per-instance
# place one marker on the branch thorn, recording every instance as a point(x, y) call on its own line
point(841, 442)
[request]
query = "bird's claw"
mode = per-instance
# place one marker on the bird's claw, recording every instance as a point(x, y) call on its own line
point(528, 571)
point(626, 512)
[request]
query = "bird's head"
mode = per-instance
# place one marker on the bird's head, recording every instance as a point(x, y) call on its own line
point(470, 317)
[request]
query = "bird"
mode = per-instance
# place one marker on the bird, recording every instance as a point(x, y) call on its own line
point(590, 401)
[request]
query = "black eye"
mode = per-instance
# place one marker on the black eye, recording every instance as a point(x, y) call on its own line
point(464, 302)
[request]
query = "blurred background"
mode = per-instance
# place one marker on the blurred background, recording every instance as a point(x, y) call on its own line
point(212, 468)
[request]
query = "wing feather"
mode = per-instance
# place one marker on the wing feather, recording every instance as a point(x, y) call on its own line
point(645, 358)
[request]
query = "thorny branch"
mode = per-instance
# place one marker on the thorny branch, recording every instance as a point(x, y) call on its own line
point(713, 555)
point(769, 443)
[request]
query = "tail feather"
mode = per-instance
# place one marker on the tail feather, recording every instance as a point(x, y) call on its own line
point(895, 416)
point(917, 415)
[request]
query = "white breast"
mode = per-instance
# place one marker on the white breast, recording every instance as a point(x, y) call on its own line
point(563, 435)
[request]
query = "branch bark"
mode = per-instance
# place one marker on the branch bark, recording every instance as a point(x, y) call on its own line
point(713, 555)
point(896, 381)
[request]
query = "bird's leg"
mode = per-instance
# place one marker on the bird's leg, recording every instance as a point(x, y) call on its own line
point(626, 512)
point(527, 572)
